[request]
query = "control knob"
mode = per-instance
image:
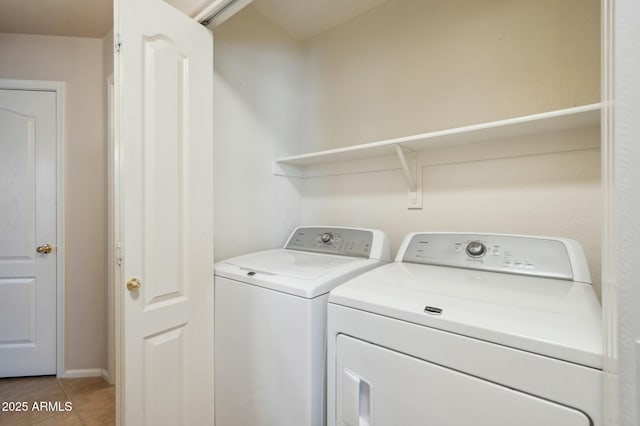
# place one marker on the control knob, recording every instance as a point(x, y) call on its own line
point(476, 249)
point(326, 237)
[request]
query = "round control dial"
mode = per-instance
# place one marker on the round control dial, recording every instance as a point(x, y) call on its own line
point(326, 237)
point(476, 249)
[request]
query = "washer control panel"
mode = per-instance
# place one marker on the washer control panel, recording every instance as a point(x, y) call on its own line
point(498, 253)
point(340, 241)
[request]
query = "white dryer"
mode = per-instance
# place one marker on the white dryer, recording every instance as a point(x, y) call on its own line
point(270, 324)
point(468, 329)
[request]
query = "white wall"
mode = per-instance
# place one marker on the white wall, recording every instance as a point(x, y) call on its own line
point(257, 117)
point(410, 66)
point(78, 62)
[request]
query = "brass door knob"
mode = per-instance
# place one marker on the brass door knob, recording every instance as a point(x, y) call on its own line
point(45, 248)
point(133, 284)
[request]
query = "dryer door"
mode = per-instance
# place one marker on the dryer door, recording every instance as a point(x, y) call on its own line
point(380, 387)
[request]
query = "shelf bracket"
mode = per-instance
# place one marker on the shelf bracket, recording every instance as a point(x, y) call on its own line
point(287, 170)
point(413, 173)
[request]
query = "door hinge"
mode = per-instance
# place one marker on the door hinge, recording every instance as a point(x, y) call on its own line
point(118, 254)
point(116, 43)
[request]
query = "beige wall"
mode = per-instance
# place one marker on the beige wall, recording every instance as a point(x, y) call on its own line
point(257, 117)
point(406, 67)
point(107, 56)
point(413, 66)
point(547, 194)
point(78, 62)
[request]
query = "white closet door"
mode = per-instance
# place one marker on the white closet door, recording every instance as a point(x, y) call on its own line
point(164, 88)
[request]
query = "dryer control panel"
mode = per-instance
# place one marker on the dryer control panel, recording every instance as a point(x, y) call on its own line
point(340, 241)
point(526, 255)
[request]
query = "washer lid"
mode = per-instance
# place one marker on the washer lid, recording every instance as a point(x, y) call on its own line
point(551, 317)
point(290, 263)
point(294, 272)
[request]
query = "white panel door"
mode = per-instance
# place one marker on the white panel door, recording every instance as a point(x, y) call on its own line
point(27, 221)
point(164, 89)
point(380, 387)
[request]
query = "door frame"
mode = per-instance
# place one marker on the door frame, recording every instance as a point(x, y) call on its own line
point(113, 233)
point(58, 87)
point(620, 178)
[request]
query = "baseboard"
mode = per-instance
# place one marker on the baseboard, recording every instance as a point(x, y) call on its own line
point(83, 372)
point(106, 376)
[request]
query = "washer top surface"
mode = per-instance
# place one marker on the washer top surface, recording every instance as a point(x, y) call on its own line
point(314, 260)
point(555, 317)
point(291, 263)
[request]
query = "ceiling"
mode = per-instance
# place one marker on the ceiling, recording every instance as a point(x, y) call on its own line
point(94, 18)
point(190, 7)
point(76, 18)
point(304, 19)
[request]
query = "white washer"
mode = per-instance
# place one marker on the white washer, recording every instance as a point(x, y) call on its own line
point(270, 324)
point(482, 329)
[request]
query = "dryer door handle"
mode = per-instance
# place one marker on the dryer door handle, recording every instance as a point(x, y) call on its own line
point(356, 399)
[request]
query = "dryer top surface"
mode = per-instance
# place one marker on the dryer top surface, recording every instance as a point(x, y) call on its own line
point(551, 317)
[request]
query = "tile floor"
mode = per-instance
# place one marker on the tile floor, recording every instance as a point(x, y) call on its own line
point(92, 401)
